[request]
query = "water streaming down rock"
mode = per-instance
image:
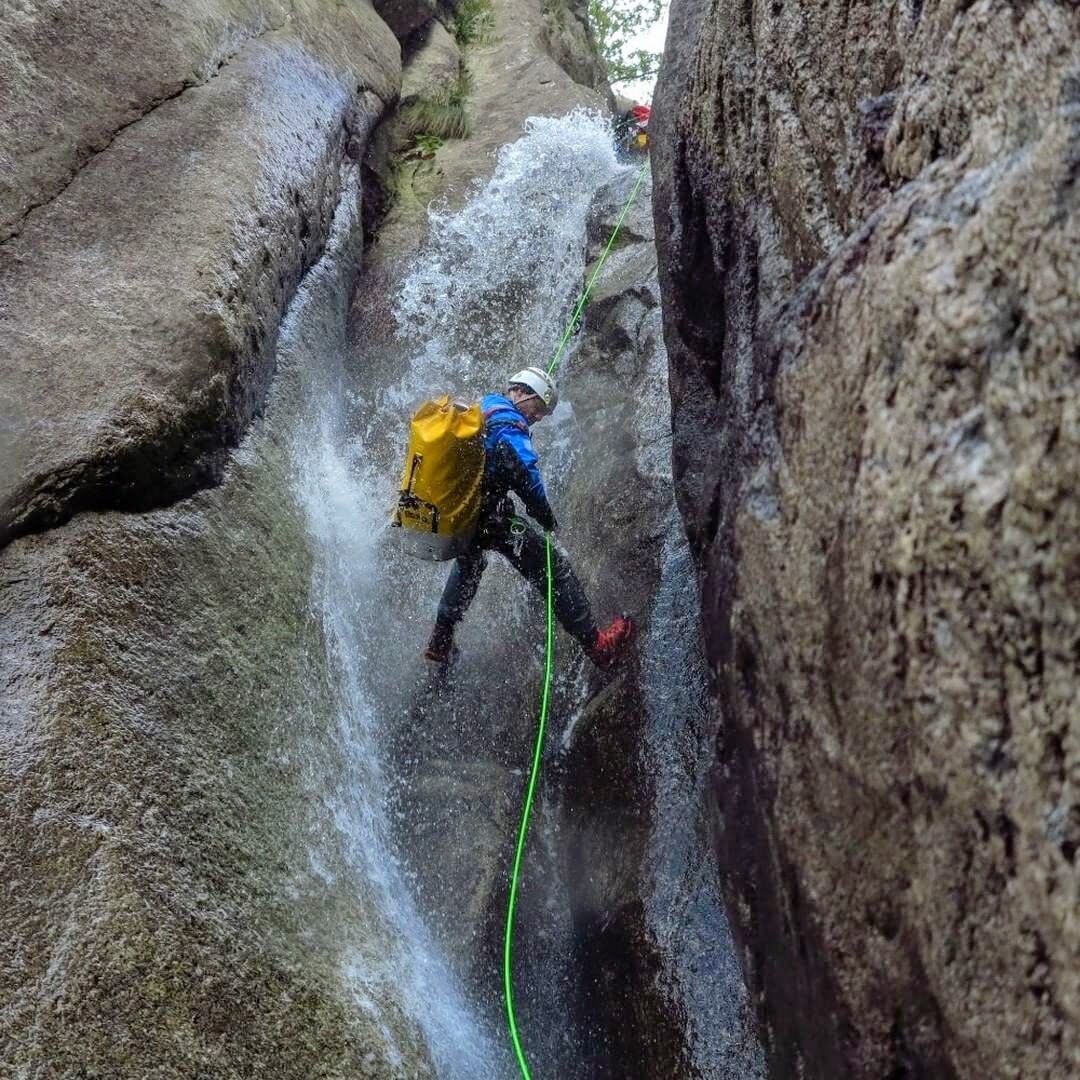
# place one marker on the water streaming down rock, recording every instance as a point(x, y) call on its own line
point(322, 840)
point(248, 836)
point(684, 908)
point(492, 291)
point(657, 974)
point(180, 871)
point(345, 470)
point(496, 283)
point(345, 503)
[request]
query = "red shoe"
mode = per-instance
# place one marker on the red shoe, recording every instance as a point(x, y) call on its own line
point(611, 642)
point(441, 649)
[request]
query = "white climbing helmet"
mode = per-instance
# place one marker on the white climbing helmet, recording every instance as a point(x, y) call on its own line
point(540, 383)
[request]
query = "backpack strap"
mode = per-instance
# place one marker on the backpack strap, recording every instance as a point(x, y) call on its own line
point(519, 424)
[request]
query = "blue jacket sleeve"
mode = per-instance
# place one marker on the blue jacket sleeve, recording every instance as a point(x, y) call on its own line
point(526, 481)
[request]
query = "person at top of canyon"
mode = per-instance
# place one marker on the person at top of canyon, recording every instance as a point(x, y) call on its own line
point(631, 131)
point(511, 465)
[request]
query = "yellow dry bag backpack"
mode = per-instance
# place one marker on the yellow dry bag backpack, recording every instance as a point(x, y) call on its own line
point(439, 502)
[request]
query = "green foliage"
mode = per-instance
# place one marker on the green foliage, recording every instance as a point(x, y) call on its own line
point(424, 146)
point(615, 23)
point(434, 117)
point(474, 22)
point(443, 114)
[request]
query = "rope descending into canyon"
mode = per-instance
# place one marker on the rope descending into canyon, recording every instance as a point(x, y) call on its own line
point(579, 310)
point(549, 656)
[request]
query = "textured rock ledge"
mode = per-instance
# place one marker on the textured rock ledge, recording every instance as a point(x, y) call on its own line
point(868, 234)
point(141, 298)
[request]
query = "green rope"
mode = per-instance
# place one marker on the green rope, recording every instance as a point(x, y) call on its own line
point(530, 795)
point(549, 657)
point(575, 318)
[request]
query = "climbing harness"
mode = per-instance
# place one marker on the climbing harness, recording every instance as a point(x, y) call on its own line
point(549, 654)
point(517, 533)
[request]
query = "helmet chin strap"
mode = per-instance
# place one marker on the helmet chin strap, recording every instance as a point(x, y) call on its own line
point(537, 397)
point(529, 397)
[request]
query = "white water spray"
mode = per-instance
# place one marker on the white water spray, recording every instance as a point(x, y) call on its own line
point(494, 287)
point(490, 291)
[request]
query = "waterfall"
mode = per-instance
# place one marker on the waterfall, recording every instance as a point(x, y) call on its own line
point(419, 816)
point(495, 286)
point(517, 247)
point(388, 954)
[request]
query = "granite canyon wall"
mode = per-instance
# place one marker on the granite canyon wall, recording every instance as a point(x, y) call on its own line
point(869, 252)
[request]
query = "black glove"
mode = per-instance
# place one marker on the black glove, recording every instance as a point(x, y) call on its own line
point(545, 517)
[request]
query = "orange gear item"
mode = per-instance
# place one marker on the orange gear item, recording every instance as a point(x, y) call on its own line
point(611, 642)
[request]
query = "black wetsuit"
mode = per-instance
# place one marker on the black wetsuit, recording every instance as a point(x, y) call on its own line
point(510, 465)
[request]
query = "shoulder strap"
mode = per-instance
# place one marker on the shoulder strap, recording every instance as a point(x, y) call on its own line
point(519, 424)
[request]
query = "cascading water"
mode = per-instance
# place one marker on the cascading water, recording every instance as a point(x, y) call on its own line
point(419, 823)
point(487, 294)
point(494, 288)
point(345, 517)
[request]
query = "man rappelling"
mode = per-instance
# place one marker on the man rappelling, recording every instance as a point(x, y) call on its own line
point(463, 463)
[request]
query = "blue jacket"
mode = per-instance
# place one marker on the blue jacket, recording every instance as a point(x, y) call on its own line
point(510, 462)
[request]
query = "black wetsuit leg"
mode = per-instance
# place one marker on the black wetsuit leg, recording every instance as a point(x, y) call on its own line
point(523, 546)
point(461, 585)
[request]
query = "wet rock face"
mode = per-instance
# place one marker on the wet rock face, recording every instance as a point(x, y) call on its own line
point(867, 225)
point(160, 898)
point(175, 904)
point(173, 174)
point(611, 781)
point(618, 498)
point(173, 901)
